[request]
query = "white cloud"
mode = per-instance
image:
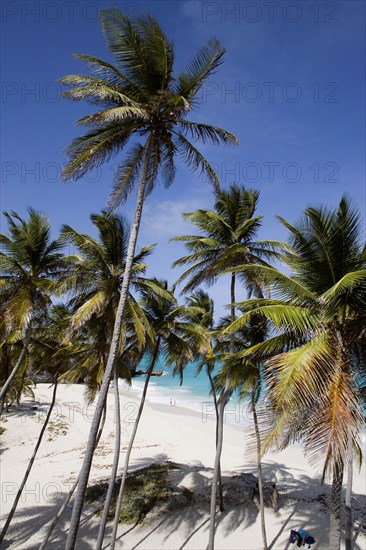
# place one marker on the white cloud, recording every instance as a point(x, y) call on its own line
point(164, 219)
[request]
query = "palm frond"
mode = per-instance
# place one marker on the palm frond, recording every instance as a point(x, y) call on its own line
point(114, 115)
point(327, 438)
point(203, 65)
point(297, 376)
point(104, 70)
point(207, 133)
point(350, 281)
point(95, 90)
point(140, 47)
point(282, 285)
point(95, 147)
point(126, 176)
point(195, 160)
point(92, 306)
point(283, 316)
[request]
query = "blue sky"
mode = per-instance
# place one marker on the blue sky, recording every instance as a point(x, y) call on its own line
point(292, 88)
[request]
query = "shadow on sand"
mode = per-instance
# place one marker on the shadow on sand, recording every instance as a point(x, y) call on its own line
point(303, 502)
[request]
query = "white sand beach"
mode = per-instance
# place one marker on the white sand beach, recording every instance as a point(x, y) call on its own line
point(166, 433)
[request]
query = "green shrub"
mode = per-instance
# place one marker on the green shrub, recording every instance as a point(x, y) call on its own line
point(143, 490)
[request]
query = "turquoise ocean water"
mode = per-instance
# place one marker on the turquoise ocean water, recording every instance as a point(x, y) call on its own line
point(194, 393)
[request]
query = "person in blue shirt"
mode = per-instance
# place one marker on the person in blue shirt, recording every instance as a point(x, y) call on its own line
point(301, 537)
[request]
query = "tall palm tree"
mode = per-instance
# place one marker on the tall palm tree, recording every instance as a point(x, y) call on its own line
point(227, 239)
point(96, 284)
point(141, 101)
point(200, 312)
point(165, 318)
point(246, 376)
point(318, 314)
point(32, 266)
point(47, 348)
point(205, 349)
point(68, 351)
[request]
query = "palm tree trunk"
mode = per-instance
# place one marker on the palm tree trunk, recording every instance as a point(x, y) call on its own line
point(335, 519)
point(223, 400)
point(220, 433)
point(259, 468)
point(221, 499)
point(72, 490)
point(16, 368)
point(20, 386)
point(85, 470)
point(232, 309)
point(112, 480)
point(30, 465)
point(130, 445)
point(348, 507)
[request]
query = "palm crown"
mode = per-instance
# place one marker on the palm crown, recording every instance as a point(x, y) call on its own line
point(226, 239)
point(99, 271)
point(31, 268)
point(140, 97)
point(96, 283)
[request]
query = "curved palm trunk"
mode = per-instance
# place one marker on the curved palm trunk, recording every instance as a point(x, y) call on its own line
point(85, 470)
point(223, 400)
point(348, 507)
point(130, 445)
point(16, 368)
point(72, 490)
point(259, 469)
point(112, 480)
point(30, 465)
point(221, 500)
point(335, 516)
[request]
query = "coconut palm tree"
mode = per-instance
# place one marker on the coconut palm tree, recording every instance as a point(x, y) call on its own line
point(73, 347)
point(165, 317)
point(144, 103)
point(246, 376)
point(32, 266)
point(206, 351)
point(227, 239)
point(46, 348)
point(96, 284)
point(318, 315)
point(200, 313)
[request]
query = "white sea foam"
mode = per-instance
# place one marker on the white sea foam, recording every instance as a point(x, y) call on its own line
point(235, 412)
